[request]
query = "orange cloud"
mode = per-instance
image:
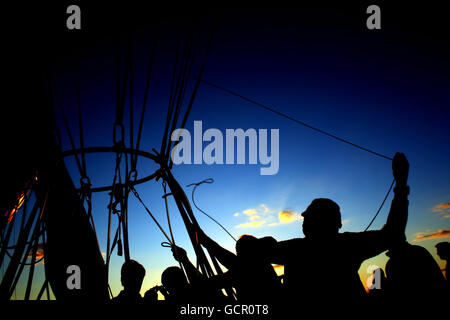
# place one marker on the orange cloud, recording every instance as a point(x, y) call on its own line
point(39, 252)
point(442, 208)
point(252, 224)
point(262, 215)
point(288, 216)
point(421, 236)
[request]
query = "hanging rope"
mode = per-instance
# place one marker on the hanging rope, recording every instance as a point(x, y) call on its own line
point(72, 143)
point(133, 190)
point(381, 206)
point(209, 180)
point(310, 127)
point(144, 104)
point(164, 185)
point(188, 62)
point(110, 211)
point(80, 122)
point(171, 97)
point(196, 86)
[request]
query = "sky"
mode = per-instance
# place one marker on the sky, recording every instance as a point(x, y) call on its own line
point(386, 90)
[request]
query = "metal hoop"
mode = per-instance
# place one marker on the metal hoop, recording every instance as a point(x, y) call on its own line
point(114, 149)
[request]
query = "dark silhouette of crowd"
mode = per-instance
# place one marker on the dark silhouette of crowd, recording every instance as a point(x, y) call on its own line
point(324, 264)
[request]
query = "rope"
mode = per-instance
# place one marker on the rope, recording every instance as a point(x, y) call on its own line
point(308, 126)
point(130, 62)
point(209, 180)
point(72, 143)
point(292, 119)
point(133, 190)
point(144, 104)
point(197, 84)
point(80, 122)
point(381, 206)
point(167, 212)
point(188, 61)
point(170, 107)
point(110, 209)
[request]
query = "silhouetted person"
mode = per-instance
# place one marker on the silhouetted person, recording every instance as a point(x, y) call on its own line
point(249, 270)
point(412, 271)
point(177, 289)
point(325, 263)
point(443, 251)
point(131, 276)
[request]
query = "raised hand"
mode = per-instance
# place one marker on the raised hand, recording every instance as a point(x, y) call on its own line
point(179, 253)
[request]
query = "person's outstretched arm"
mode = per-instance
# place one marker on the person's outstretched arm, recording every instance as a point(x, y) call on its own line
point(372, 243)
point(225, 257)
point(398, 215)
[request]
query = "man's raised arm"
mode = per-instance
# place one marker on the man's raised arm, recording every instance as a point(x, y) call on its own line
point(398, 214)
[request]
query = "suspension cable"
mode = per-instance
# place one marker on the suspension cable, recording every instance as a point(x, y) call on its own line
point(133, 190)
point(209, 180)
point(293, 119)
point(381, 206)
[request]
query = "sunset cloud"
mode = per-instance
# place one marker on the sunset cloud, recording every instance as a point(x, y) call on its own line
point(250, 212)
point(252, 224)
point(421, 236)
point(288, 216)
point(39, 252)
point(285, 217)
point(262, 216)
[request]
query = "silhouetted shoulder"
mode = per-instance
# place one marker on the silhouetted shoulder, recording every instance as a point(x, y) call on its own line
point(365, 245)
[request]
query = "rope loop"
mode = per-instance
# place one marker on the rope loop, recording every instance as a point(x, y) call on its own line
point(166, 244)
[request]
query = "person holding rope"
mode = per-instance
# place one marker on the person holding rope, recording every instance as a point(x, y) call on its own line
point(249, 271)
point(176, 288)
point(325, 263)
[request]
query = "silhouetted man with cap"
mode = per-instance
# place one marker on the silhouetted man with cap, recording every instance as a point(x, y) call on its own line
point(325, 263)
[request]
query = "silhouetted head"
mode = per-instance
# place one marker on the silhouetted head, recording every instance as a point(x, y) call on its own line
point(131, 275)
point(322, 219)
point(173, 280)
point(443, 250)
